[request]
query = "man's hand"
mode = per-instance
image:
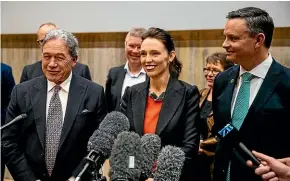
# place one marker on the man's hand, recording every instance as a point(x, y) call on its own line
point(272, 169)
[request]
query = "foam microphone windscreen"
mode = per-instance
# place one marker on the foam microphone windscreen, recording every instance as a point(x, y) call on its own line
point(103, 138)
point(151, 146)
point(169, 164)
point(126, 157)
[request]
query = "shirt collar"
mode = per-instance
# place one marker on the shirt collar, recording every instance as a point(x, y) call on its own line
point(142, 71)
point(64, 85)
point(260, 70)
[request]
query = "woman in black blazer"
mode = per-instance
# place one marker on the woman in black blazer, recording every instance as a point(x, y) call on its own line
point(163, 104)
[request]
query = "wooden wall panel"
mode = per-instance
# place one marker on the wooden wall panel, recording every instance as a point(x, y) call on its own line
point(101, 51)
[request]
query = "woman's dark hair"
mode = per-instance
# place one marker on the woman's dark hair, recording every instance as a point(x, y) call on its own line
point(175, 66)
point(221, 58)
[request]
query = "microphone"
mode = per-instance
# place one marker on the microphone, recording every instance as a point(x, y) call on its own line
point(229, 135)
point(151, 146)
point(21, 116)
point(169, 164)
point(126, 157)
point(101, 142)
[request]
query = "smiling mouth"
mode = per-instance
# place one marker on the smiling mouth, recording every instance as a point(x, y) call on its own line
point(53, 72)
point(150, 67)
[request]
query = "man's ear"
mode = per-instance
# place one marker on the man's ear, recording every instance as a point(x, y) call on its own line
point(74, 61)
point(260, 40)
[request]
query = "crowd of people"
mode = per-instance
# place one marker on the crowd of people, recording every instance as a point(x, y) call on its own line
point(246, 87)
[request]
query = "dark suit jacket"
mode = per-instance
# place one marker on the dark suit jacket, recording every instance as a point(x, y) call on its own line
point(7, 84)
point(266, 126)
point(114, 85)
point(177, 124)
point(23, 143)
point(34, 70)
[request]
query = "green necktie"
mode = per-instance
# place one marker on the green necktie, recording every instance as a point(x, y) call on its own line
point(241, 106)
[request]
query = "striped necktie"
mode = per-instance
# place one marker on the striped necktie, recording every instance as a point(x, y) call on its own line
point(241, 107)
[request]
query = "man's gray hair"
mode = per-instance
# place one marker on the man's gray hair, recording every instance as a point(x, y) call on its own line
point(69, 38)
point(136, 32)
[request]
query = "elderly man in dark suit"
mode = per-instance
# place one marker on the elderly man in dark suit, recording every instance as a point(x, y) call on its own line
point(63, 110)
point(253, 96)
point(7, 84)
point(125, 75)
point(34, 70)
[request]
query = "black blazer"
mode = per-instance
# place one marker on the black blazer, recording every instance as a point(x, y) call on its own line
point(7, 84)
point(23, 143)
point(114, 85)
point(266, 126)
point(178, 118)
point(35, 70)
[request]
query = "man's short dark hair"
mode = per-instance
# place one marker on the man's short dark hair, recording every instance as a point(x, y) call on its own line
point(258, 21)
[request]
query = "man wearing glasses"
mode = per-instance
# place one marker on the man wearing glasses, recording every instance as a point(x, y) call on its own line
point(34, 70)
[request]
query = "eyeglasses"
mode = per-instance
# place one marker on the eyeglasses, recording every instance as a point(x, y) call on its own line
point(213, 71)
point(40, 41)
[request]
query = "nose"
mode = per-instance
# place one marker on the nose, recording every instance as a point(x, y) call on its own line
point(136, 49)
point(52, 62)
point(148, 58)
point(210, 74)
point(225, 44)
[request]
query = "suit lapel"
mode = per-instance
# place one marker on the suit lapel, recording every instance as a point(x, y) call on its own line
point(267, 88)
point(173, 97)
point(38, 99)
point(120, 80)
point(75, 97)
point(139, 106)
point(226, 96)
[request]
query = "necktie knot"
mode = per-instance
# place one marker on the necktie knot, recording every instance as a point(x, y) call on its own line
point(57, 88)
point(247, 77)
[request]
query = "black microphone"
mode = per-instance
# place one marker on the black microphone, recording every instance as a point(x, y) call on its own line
point(101, 142)
point(151, 146)
point(21, 116)
point(169, 164)
point(126, 158)
point(229, 136)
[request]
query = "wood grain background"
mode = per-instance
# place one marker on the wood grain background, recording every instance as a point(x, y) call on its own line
point(101, 51)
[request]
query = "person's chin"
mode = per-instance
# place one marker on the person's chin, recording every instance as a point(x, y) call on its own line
point(135, 59)
point(210, 85)
point(151, 74)
point(231, 58)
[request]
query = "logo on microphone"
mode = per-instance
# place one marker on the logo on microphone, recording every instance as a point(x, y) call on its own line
point(226, 130)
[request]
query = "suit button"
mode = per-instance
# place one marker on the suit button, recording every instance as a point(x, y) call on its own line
point(41, 154)
point(44, 175)
point(224, 171)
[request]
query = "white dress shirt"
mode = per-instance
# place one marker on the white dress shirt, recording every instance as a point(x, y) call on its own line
point(63, 94)
point(131, 79)
point(260, 73)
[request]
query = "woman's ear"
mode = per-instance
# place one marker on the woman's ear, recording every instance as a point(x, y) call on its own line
point(172, 55)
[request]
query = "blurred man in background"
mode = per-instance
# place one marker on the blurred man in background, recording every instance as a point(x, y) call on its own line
point(125, 75)
point(34, 70)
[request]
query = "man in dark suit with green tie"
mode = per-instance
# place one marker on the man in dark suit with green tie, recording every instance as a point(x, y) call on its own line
point(253, 96)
